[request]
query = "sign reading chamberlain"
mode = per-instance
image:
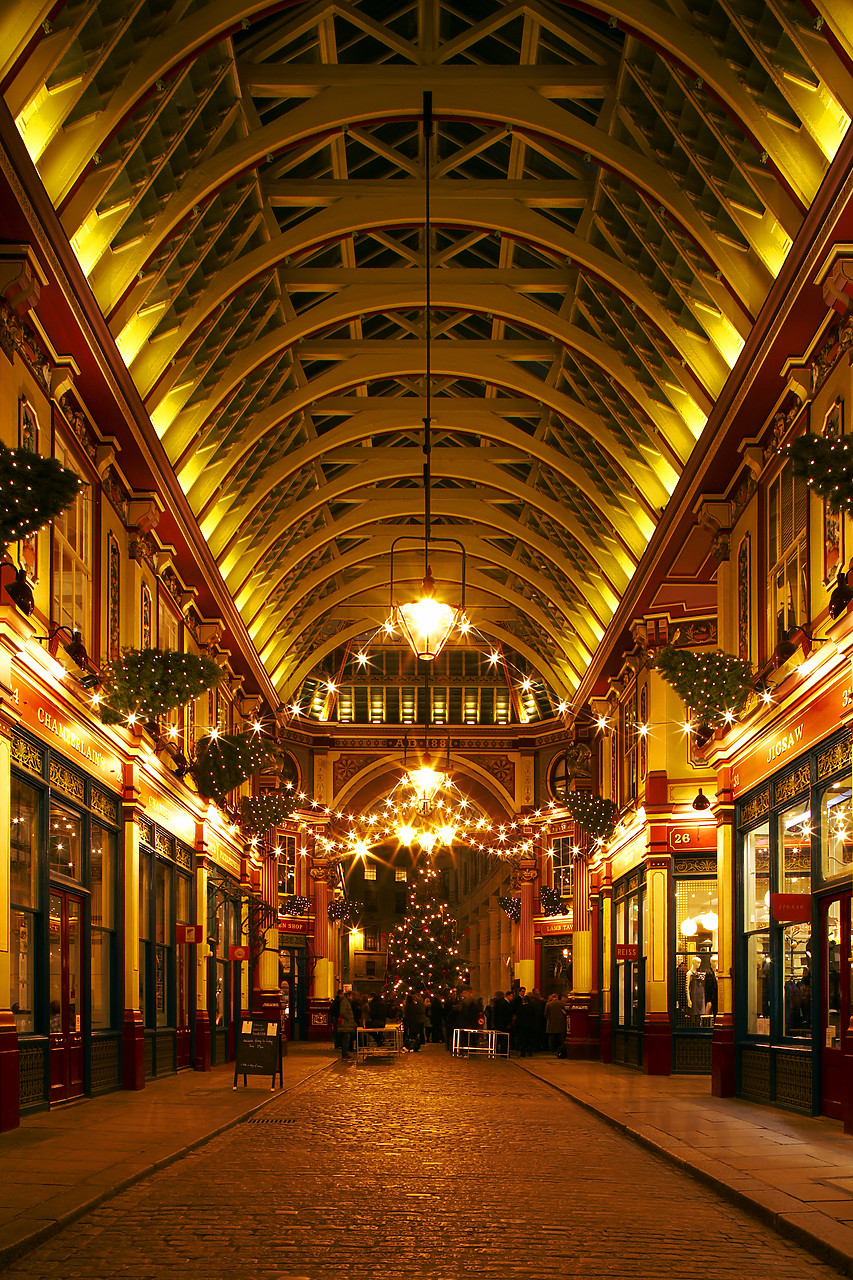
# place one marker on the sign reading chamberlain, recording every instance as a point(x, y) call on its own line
point(72, 739)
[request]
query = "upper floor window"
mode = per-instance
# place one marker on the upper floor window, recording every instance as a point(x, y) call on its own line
point(562, 857)
point(787, 523)
point(72, 576)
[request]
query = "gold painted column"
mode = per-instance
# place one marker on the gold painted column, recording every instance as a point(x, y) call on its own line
point(581, 1043)
point(202, 1016)
point(605, 907)
point(10, 1083)
point(266, 997)
point(133, 1027)
point(723, 1073)
point(657, 1028)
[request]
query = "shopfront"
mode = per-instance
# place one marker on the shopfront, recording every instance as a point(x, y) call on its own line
point(627, 967)
point(694, 994)
point(65, 888)
point(224, 931)
point(293, 975)
point(553, 938)
point(793, 892)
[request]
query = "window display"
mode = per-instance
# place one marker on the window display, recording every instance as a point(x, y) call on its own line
point(794, 839)
point(836, 831)
point(24, 836)
point(696, 924)
point(756, 915)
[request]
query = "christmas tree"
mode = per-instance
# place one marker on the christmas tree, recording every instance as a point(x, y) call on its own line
point(422, 951)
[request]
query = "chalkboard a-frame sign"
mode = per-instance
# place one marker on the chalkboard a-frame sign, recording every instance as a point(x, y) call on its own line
point(259, 1052)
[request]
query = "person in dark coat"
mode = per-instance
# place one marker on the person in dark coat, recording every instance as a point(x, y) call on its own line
point(437, 1019)
point(526, 1023)
point(377, 1015)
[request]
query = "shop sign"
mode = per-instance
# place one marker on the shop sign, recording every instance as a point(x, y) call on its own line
point(626, 951)
point(223, 857)
point(188, 933)
point(791, 908)
point(545, 927)
point(692, 837)
point(163, 810)
point(54, 725)
point(804, 730)
point(293, 924)
point(238, 953)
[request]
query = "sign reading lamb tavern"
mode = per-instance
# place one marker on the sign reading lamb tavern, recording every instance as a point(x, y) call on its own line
point(59, 729)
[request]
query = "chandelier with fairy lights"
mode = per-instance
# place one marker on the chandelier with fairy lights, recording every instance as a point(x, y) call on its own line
point(427, 623)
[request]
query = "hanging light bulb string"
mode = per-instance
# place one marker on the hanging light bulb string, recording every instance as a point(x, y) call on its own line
point(427, 132)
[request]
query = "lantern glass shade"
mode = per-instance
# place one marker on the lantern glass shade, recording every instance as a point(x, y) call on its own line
point(426, 623)
point(426, 781)
point(688, 927)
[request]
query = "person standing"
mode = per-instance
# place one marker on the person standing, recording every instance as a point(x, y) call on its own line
point(344, 1023)
point(555, 1022)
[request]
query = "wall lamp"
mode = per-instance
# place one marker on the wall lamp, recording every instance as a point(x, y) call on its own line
point(19, 590)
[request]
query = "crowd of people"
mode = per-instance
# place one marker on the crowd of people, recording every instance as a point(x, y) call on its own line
point(534, 1024)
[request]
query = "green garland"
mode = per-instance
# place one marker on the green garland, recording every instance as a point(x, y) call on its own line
point(148, 683)
point(260, 813)
point(35, 490)
point(227, 760)
point(826, 463)
point(595, 814)
point(711, 684)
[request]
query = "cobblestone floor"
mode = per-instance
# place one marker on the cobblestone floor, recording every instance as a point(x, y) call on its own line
point(427, 1166)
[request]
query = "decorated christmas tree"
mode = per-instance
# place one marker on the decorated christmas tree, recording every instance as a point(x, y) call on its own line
point(422, 951)
point(711, 684)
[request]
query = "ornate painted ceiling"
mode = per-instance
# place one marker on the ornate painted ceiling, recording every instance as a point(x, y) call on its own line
point(615, 186)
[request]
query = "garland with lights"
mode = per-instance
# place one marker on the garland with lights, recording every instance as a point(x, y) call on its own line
point(225, 760)
point(512, 907)
point(826, 464)
point(144, 684)
point(260, 813)
point(422, 951)
point(343, 909)
point(595, 814)
point(550, 901)
point(297, 905)
point(35, 490)
point(714, 685)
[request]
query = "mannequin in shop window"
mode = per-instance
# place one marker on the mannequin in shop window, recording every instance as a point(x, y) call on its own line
point(695, 989)
point(711, 991)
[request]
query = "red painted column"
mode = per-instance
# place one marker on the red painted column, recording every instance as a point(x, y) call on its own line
point(323, 977)
point(523, 882)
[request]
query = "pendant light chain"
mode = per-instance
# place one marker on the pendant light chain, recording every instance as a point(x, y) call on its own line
point(428, 132)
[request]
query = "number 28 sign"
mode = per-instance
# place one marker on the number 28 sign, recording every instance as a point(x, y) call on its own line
point(684, 838)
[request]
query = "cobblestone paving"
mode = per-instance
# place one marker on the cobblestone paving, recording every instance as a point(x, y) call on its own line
point(425, 1167)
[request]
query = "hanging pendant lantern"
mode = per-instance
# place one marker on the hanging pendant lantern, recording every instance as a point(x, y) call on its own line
point(427, 623)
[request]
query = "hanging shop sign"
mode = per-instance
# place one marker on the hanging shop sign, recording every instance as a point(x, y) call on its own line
point(791, 908)
point(188, 933)
point(626, 951)
point(795, 735)
point(546, 926)
point(687, 838)
point(162, 809)
point(59, 728)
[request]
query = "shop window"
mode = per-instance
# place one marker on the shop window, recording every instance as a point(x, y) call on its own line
point(756, 914)
point(103, 862)
point(628, 1004)
point(162, 940)
point(562, 854)
point(287, 868)
point(696, 929)
point(144, 933)
point(183, 912)
point(794, 876)
point(72, 556)
point(787, 520)
point(64, 842)
point(836, 831)
point(25, 824)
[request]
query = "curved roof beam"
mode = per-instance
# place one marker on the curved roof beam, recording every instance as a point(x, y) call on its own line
point(476, 516)
point(497, 300)
point(293, 679)
point(262, 625)
point(800, 161)
point(345, 216)
point(632, 526)
point(349, 486)
point(202, 473)
point(335, 107)
point(274, 654)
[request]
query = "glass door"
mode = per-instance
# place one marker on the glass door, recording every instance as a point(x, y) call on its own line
point(836, 956)
point(66, 997)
